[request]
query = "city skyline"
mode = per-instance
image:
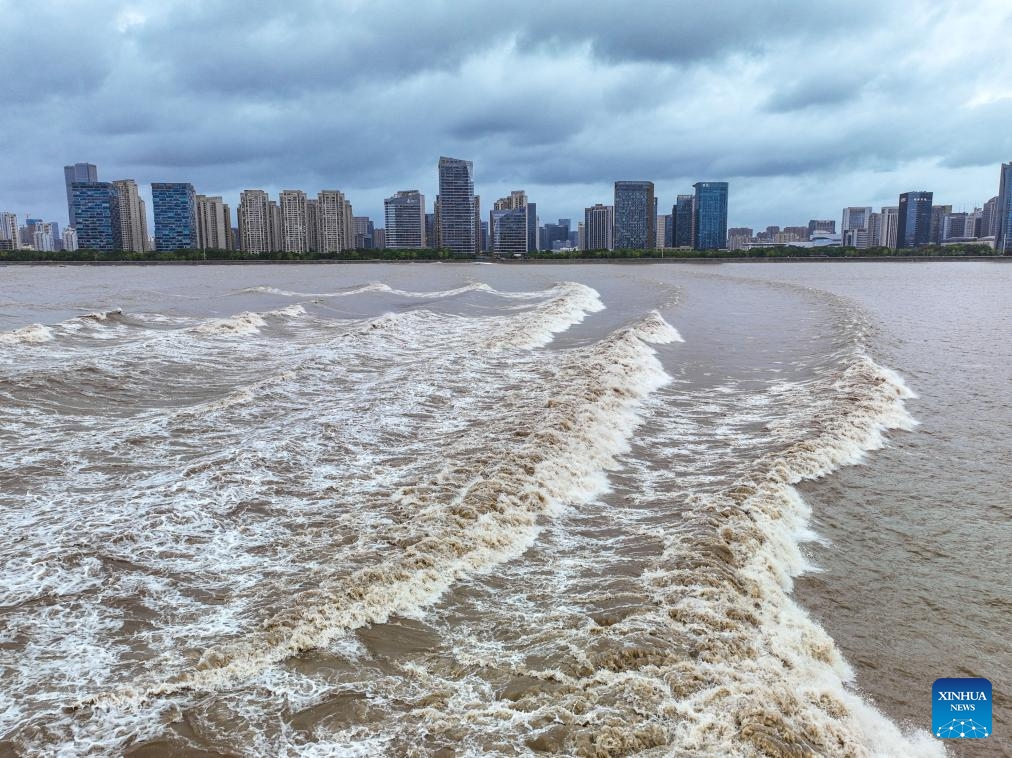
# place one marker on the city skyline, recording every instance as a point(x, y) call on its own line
point(718, 95)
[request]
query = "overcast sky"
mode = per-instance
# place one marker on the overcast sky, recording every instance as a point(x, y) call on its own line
point(804, 106)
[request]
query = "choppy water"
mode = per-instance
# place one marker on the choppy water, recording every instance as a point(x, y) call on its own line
point(489, 510)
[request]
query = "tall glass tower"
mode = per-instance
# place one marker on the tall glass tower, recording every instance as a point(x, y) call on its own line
point(913, 227)
point(710, 216)
point(681, 221)
point(635, 216)
point(96, 215)
point(1003, 216)
point(79, 172)
point(458, 217)
point(175, 206)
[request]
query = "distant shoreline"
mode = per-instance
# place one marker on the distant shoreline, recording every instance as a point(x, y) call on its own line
point(535, 261)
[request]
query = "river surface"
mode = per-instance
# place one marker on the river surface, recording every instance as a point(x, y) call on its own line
point(467, 510)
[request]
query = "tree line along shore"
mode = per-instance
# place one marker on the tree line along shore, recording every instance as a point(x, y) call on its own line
point(388, 254)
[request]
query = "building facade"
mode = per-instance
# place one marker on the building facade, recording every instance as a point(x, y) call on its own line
point(710, 216)
point(294, 221)
point(133, 217)
point(79, 172)
point(459, 219)
point(214, 223)
point(9, 229)
point(890, 220)
point(635, 216)
point(598, 227)
point(96, 216)
point(1002, 222)
point(913, 222)
point(855, 218)
point(254, 222)
point(335, 221)
point(175, 211)
point(404, 218)
point(682, 219)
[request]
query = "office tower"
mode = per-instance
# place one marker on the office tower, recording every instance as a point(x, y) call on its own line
point(681, 218)
point(597, 225)
point(294, 227)
point(175, 210)
point(9, 229)
point(821, 226)
point(890, 224)
point(70, 239)
point(555, 234)
point(477, 224)
point(581, 236)
point(635, 217)
point(79, 172)
point(274, 219)
point(855, 218)
point(363, 233)
point(989, 218)
point(508, 231)
point(431, 238)
point(459, 216)
point(336, 224)
point(938, 213)
point(955, 226)
point(96, 215)
point(710, 216)
point(484, 236)
point(404, 219)
point(254, 222)
point(214, 223)
point(532, 227)
point(380, 239)
point(1002, 228)
point(874, 229)
point(43, 239)
point(663, 232)
point(133, 222)
point(913, 223)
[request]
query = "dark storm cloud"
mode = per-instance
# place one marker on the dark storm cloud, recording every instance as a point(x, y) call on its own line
point(564, 96)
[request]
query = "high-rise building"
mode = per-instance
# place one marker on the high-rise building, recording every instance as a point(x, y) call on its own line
point(459, 219)
point(682, 219)
point(133, 218)
point(661, 230)
point(890, 223)
point(276, 227)
point(635, 216)
point(175, 210)
point(855, 218)
point(379, 239)
point(821, 226)
point(79, 172)
point(710, 215)
point(312, 225)
point(364, 232)
point(254, 222)
point(874, 229)
point(989, 218)
point(404, 215)
point(431, 238)
point(954, 226)
point(508, 231)
point(96, 215)
point(335, 220)
point(294, 226)
point(70, 239)
point(913, 224)
point(554, 234)
point(598, 223)
point(9, 229)
point(938, 214)
point(1003, 212)
point(43, 238)
point(214, 223)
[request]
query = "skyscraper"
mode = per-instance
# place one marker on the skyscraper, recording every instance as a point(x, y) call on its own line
point(635, 216)
point(335, 220)
point(214, 223)
point(458, 213)
point(681, 217)
point(254, 222)
point(70, 239)
point(96, 215)
point(889, 221)
point(989, 217)
point(597, 227)
point(274, 224)
point(79, 172)
point(404, 215)
point(9, 229)
point(913, 224)
point(294, 229)
point(855, 218)
point(365, 233)
point(1003, 212)
point(175, 209)
point(938, 214)
point(133, 221)
point(710, 216)
point(312, 225)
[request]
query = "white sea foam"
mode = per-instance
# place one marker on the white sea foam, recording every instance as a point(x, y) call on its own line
point(33, 334)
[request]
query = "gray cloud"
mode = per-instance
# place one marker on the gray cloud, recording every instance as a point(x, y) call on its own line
point(561, 98)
